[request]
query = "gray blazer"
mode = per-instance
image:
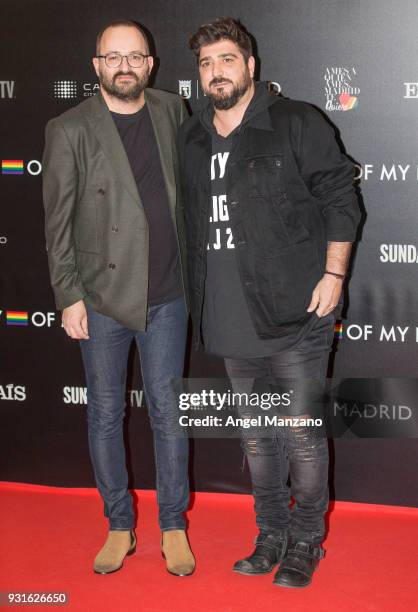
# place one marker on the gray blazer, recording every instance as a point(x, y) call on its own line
point(96, 228)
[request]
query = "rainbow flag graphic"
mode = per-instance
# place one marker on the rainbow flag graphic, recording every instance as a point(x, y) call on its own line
point(338, 329)
point(16, 317)
point(12, 166)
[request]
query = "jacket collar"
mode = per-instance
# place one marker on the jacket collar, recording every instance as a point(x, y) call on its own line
point(108, 136)
point(201, 137)
point(262, 121)
point(256, 116)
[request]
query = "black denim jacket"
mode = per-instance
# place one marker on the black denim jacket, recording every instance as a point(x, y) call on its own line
point(290, 191)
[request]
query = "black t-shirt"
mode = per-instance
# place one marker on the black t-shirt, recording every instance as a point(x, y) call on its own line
point(137, 134)
point(227, 327)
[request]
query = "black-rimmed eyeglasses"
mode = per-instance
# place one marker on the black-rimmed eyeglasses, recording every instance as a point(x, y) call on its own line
point(114, 60)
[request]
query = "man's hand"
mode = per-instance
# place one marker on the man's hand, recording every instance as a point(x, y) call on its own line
point(326, 294)
point(74, 320)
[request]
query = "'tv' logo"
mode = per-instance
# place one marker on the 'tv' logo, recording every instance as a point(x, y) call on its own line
point(7, 89)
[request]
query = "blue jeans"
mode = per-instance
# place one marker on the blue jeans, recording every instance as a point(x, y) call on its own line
point(301, 451)
point(105, 354)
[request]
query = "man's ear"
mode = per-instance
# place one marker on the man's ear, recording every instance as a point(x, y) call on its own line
point(96, 61)
point(251, 66)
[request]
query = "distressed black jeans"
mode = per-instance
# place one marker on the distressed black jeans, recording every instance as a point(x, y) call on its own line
point(298, 451)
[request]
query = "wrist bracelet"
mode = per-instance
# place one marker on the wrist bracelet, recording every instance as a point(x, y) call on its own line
point(335, 274)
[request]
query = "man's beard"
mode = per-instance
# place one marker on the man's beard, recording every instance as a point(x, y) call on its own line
point(225, 101)
point(127, 92)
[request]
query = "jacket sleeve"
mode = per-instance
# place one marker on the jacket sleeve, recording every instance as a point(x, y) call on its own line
point(329, 176)
point(60, 182)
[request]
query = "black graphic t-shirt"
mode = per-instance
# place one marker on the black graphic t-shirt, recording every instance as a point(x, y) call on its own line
point(138, 138)
point(227, 327)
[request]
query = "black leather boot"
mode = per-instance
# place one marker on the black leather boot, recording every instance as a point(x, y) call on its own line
point(269, 550)
point(299, 563)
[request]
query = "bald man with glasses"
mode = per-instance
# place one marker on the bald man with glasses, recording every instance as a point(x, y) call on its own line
point(113, 237)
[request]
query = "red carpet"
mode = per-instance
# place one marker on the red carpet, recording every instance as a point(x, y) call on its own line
point(50, 537)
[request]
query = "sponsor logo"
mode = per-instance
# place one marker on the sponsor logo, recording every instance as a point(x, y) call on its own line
point(77, 396)
point(386, 172)
point(185, 89)
point(7, 89)
point(373, 408)
point(12, 166)
point(18, 166)
point(399, 334)
point(73, 89)
point(189, 89)
point(274, 86)
point(338, 329)
point(398, 253)
point(12, 392)
point(381, 333)
point(372, 411)
point(90, 89)
point(22, 318)
point(411, 91)
point(17, 317)
point(65, 89)
point(340, 92)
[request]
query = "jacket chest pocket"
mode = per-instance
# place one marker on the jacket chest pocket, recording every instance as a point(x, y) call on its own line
point(265, 175)
point(273, 218)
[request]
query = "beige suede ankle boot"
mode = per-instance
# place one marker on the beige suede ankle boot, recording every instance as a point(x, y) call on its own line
point(118, 545)
point(177, 553)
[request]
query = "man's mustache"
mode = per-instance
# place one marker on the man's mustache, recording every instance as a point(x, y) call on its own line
point(132, 74)
point(216, 81)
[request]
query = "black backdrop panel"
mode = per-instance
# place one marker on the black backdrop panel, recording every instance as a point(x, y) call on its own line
point(353, 60)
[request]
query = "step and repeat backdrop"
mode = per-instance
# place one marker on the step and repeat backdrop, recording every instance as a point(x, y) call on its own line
point(356, 61)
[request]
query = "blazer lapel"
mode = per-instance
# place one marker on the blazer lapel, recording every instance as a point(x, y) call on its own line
point(108, 136)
